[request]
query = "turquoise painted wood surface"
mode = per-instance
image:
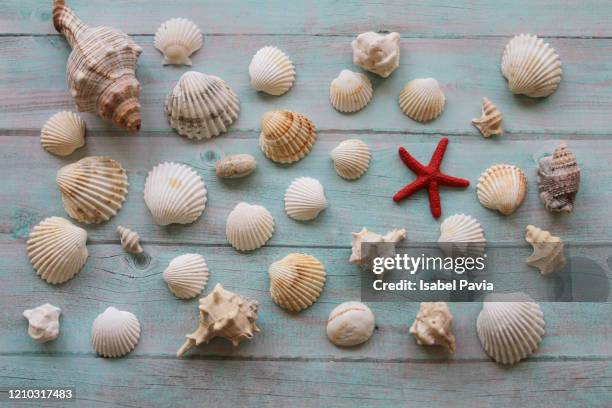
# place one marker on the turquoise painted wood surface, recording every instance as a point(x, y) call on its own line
point(291, 363)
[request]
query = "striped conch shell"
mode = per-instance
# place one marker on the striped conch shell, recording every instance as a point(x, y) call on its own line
point(63, 133)
point(130, 240)
point(559, 179)
point(490, 123)
point(547, 253)
point(422, 99)
point(296, 281)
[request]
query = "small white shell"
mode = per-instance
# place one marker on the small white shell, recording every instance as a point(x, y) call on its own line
point(350, 324)
point(249, 227)
point(271, 71)
point(422, 99)
point(186, 275)
point(351, 158)
point(305, 199)
point(115, 333)
point(350, 91)
point(286, 136)
point(235, 166)
point(433, 326)
point(56, 248)
point(378, 53)
point(63, 133)
point(502, 187)
point(177, 39)
point(296, 281)
point(461, 235)
point(43, 322)
point(174, 193)
point(510, 327)
point(130, 240)
point(490, 122)
point(547, 253)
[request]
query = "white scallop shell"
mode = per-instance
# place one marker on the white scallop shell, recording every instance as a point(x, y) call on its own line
point(201, 106)
point(351, 158)
point(56, 249)
point(296, 281)
point(130, 240)
point(174, 193)
point(502, 187)
point(177, 39)
point(93, 189)
point(271, 71)
point(350, 324)
point(186, 275)
point(115, 333)
point(510, 327)
point(461, 234)
point(305, 199)
point(249, 227)
point(350, 91)
point(422, 99)
point(63, 133)
point(531, 66)
point(286, 136)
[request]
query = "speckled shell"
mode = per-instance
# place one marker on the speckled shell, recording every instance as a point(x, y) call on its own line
point(350, 324)
point(502, 187)
point(531, 66)
point(93, 189)
point(377, 53)
point(286, 137)
point(249, 227)
point(63, 133)
point(461, 235)
point(422, 99)
point(101, 69)
point(350, 91)
point(201, 106)
point(365, 236)
point(351, 158)
point(177, 39)
point(296, 281)
point(305, 199)
point(559, 180)
point(433, 326)
point(235, 166)
point(115, 333)
point(175, 194)
point(130, 240)
point(271, 71)
point(43, 322)
point(510, 327)
point(547, 253)
point(490, 123)
point(186, 275)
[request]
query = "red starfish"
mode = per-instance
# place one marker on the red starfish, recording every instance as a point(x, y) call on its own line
point(429, 176)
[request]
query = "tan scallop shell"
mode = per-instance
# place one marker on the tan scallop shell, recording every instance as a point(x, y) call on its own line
point(490, 123)
point(461, 235)
point(130, 240)
point(235, 166)
point(177, 39)
point(433, 326)
point(186, 275)
point(351, 158)
point(286, 137)
point(271, 71)
point(559, 179)
point(115, 333)
point(350, 91)
point(502, 187)
point(63, 133)
point(249, 227)
point(93, 189)
point(305, 199)
point(296, 281)
point(547, 253)
point(422, 99)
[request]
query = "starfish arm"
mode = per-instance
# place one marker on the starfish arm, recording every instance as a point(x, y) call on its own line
point(434, 199)
point(438, 155)
point(447, 180)
point(410, 189)
point(412, 163)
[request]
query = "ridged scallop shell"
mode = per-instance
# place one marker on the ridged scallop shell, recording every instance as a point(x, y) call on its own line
point(547, 253)
point(235, 166)
point(377, 53)
point(559, 180)
point(510, 327)
point(490, 123)
point(186, 275)
point(177, 39)
point(305, 199)
point(201, 106)
point(502, 187)
point(271, 71)
point(63, 133)
point(462, 235)
point(130, 240)
point(56, 249)
point(351, 158)
point(115, 333)
point(174, 193)
point(422, 99)
point(350, 91)
point(531, 66)
point(93, 189)
point(286, 137)
point(249, 227)
point(296, 281)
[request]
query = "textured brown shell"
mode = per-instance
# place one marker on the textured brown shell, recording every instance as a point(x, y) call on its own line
point(559, 180)
point(286, 136)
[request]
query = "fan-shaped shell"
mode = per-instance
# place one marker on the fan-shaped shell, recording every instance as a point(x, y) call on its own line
point(531, 66)
point(286, 137)
point(271, 71)
point(115, 333)
point(422, 99)
point(350, 91)
point(559, 179)
point(186, 275)
point(130, 240)
point(350, 324)
point(174, 193)
point(93, 189)
point(490, 122)
point(63, 133)
point(201, 106)
point(296, 281)
point(502, 187)
point(56, 248)
point(249, 227)
point(177, 39)
point(305, 199)
point(547, 253)
point(351, 158)
point(461, 234)
point(510, 327)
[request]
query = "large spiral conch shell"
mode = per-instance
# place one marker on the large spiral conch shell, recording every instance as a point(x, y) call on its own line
point(422, 99)
point(271, 71)
point(130, 240)
point(502, 187)
point(547, 253)
point(378, 53)
point(101, 69)
point(433, 326)
point(186, 275)
point(305, 199)
point(351, 158)
point(63, 133)
point(461, 235)
point(177, 39)
point(93, 189)
point(350, 91)
point(249, 227)
point(296, 281)
point(490, 123)
point(559, 179)
point(286, 137)
point(115, 333)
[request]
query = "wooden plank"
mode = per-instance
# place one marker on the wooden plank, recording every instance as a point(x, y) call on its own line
point(467, 69)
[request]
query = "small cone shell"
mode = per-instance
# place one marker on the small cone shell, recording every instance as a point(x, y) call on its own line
point(422, 99)
point(271, 71)
point(350, 91)
point(130, 240)
point(115, 333)
point(186, 275)
point(177, 39)
point(286, 137)
point(502, 187)
point(351, 158)
point(249, 227)
point(296, 281)
point(490, 123)
point(63, 133)
point(461, 234)
point(547, 253)
point(559, 180)
point(305, 199)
